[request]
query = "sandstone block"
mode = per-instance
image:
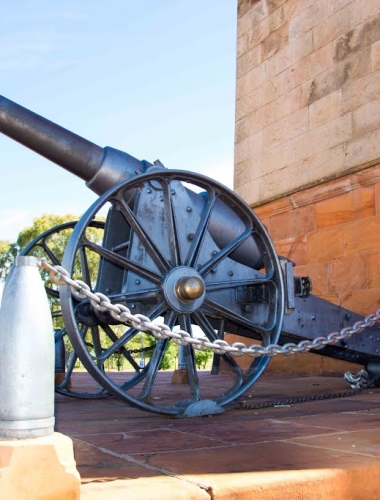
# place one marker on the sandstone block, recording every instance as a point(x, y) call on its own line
point(274, 42)
point(349, 273)
point(322, 138)
point(325, 109)
point(248, 61)
point(287, 128)
point(284, 181)
point(249, 15)
point(276, 158)
point(325, 245)
point(293, 52)
point(306, 20)
point(366, 118)
point(377, 198)
point(334, 6)
point(293, 249)
point(358, 93)
point(339, 75)
point(361, 236)
point(357, 38)
point(361, 301)
point(39, 469)
point(363, 149)
point(374, 270)
point(293, 223)
point(375, 56)
point(355, 205)
point(336, 24)
point(370, 8)
point(318, 274)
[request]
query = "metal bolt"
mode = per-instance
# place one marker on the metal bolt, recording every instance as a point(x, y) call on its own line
point(214, 252)
point(313, 318)
point(190, 236)
point(347, 316)
point(230, 273)
point(172, 192)
point(137, 282)
point(148, 190)
point(189, 209)
point(133, 306)
point(108, 290)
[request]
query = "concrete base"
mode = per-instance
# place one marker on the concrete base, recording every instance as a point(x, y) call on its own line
point(180, 377)
point(38, 469)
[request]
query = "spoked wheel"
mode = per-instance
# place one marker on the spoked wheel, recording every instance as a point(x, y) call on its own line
point(50, 245)
point(192, 254)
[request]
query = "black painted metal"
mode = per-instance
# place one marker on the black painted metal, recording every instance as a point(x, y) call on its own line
point(158, 227)
point(314, 317)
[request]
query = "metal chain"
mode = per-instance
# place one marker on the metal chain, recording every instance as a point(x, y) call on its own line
point(128, 351)
point(121, 313)
point(242, 404)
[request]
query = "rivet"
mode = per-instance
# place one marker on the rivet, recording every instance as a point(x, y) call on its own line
point(137, 282)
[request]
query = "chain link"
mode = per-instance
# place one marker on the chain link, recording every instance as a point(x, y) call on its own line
point(121, 313)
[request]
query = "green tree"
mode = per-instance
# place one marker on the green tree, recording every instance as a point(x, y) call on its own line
point(54, 245)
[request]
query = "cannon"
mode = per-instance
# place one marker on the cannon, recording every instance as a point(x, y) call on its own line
point(179, 248)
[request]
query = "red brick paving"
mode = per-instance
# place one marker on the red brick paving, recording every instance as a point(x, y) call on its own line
point(315, 450)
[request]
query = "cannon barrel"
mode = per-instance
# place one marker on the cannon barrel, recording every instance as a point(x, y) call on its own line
point(101, 168)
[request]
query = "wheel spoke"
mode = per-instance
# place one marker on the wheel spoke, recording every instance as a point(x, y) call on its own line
point(174, 241)
point(129, 334)
point(125, 263)
point(185, 324)
point(50, 253)
point(156, 359)
point(225, 252)
point(152, 249)
point(203, 322)
point(226, 285)
point(201, 231)
point(85, 270)
point(229, 315)
point(112, 336)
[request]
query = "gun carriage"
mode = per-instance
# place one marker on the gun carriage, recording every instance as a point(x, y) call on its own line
point(179, 248)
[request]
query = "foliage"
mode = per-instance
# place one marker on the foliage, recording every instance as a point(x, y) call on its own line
point(54, 245)
point(202, 358)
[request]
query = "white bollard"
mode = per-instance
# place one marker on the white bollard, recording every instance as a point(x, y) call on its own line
point(26, 355)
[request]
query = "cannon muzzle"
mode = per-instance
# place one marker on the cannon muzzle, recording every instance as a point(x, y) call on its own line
point(101, 168)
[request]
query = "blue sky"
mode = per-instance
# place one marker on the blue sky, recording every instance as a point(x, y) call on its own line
point(155, 78)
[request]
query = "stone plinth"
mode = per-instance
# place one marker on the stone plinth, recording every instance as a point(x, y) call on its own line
point(38, 469)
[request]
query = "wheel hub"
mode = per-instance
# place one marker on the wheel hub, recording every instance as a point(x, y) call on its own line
point(184, 289)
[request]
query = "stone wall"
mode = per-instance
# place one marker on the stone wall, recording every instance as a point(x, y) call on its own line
point(307, 154)
point(308, 93)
